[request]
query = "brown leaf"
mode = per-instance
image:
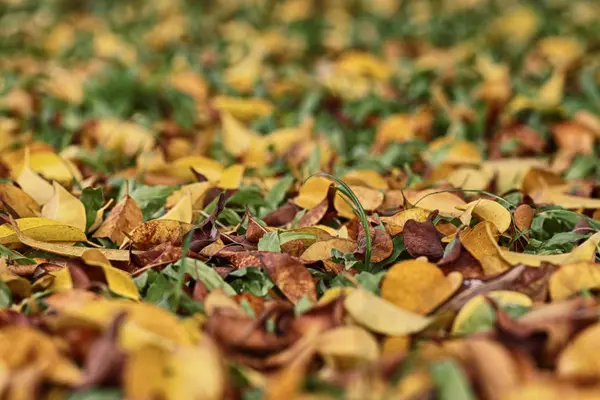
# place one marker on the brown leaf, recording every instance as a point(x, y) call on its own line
point(545, 331)
point(531, 281)
point(523, 141)
point(422, 239)
point(153, 233)
point(105, 359)
point(14, 199)
point(122, 219)
point(282, 216)
point(290, 275)
point(254, 231)
point(382, 244)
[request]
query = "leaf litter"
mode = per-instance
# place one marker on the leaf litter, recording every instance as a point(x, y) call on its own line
point(299, 199)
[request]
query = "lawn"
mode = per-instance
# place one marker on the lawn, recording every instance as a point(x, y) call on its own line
point(299, 199)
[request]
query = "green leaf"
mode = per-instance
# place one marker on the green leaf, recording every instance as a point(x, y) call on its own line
point(270, 242)
point(370, 281)
point(5, 296)
point(563, 240)
point(451, 381)
point(151, 198)
point(97, 394)
point(252, 280)
point(161, 292)
point(277, 193)
point(303, 305)
point(16, 257)
point(285, 237)
point(581, 167)
point(248, 196)
point(483, 317)
point(92, 200)
point(208, 276)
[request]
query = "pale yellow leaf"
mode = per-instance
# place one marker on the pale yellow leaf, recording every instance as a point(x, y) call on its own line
point(65, 208)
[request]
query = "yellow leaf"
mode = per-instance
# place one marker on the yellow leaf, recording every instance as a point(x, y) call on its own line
point(118, 281)
point(474, 306)
point(62, 280)
point(395, 224)
point(584, 252)
point(65, 208)
point(492, 211)
point(434, 199)
point(579, 359)
point(362, 63)
point(197, 191)
point(560, 51)
point(62, 232)
point(481, 242)
point(470, 179)
point(181, 168)
point(41, 229)
point(190, 372)
point(236, 137)
point(333, 293)
point(366, 177)
point(231, 177)
point(348, 346)
point(394, 345)
point(568, 201)
point(241, 108)
point(24, 205)
point(320, 251)
point(454, 151)
point(146, 323)
point(99, 215)
point(122, 219)
point(370, 199)
point(20, 287)
point(570, 279)
point(418, 286)
point(125, 136)
point(511, 171)
point(381, 316)
point(34, 185)
point(24, 348)
point(182, 211)
point(312, 192)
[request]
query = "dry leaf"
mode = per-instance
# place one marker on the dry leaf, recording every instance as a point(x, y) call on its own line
point(122, 219)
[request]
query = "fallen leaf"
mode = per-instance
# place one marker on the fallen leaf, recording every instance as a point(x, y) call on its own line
point(418, 286)
point(381, 316)
point(480, 242)
point(321, 250)
point(422, 239)
point(395, 224)
point(122, 219)
point(290, 275)
point(42, 229)
point(65, 208)
point(19, 201)
point(571, 279)
point(492, 211)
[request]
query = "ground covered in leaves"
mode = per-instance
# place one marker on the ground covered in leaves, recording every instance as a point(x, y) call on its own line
point(255, 199)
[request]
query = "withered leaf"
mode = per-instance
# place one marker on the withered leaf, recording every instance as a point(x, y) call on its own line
point(422, 239)
point(290, 275)
point(122, 219)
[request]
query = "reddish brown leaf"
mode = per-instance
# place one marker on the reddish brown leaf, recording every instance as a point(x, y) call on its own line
point(290, 275)
point(282, 216)
point(122, 219)
point(422, 239)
